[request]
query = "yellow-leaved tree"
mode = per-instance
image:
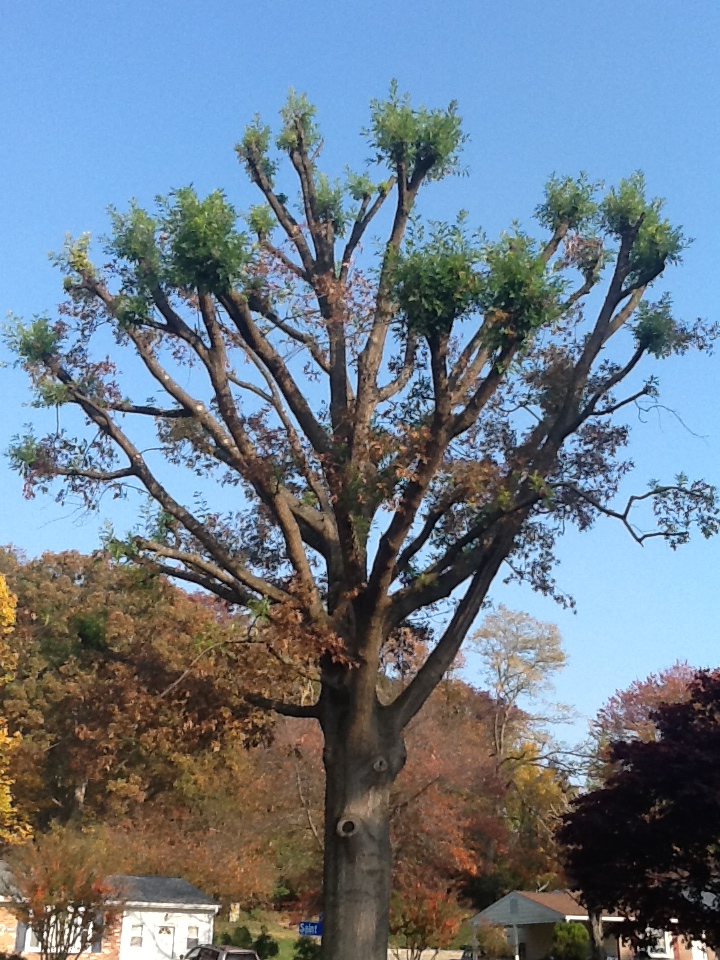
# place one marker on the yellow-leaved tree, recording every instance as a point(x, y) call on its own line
point(13, 827)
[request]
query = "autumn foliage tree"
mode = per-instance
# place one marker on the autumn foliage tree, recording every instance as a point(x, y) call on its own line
point(646, 842)
point(122, 682)
point(61, 894)
point(13, 826)
point(374, 441)
point(630, 713)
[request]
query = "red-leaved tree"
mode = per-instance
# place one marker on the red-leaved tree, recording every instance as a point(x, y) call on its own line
point(647, 842)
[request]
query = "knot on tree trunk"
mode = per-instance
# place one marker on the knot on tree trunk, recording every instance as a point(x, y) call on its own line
point(347, 827)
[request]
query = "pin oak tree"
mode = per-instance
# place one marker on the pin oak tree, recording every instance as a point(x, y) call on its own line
point(375, 435)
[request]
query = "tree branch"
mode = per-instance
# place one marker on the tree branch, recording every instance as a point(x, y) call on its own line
point(300, 711)
point(412, 698)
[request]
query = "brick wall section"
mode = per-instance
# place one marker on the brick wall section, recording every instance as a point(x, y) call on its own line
point(8, 928)
point(8, 931)
point(110, 942)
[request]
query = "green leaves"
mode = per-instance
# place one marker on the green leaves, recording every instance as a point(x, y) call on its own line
point(205, 250)
point(253, 149)
point(657, 242)
point(437, 283)
point(192, 243)
point(24, 453)
point(655, 328)
point(330, 206)
point(299, 127)
point(134, 238)
point(569, 203)
point(520, 294)
point(449, 278)
point(33, 342)
point(420, 140)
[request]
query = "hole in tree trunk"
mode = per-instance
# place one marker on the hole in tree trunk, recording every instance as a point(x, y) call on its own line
point(346, 828)
point(380, 765)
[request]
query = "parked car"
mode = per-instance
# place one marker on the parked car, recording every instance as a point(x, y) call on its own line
point(206, 951)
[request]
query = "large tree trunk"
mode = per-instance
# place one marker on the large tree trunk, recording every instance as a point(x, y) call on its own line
point(363, 756)
point(597, 939)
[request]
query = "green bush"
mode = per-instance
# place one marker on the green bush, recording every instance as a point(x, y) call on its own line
point(306, 949)
point(266, 946)
point(571, 941)
point(241, 937)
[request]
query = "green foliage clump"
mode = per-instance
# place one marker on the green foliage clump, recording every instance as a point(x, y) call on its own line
point(656, 330)
point(307, 949)
point(193, 244)
point(625, 209)
point(241, 937)
point(329, 199)
point(135, 239)
point(24, 453)
point(519, 293)
point(49, 393)
point(299, 126)
point(253, 149)
point(571, 941)
point(415, 138)
point(261, 220)
point(569, 202)
point(265, 945)
point(32, 342)
point(206, 251)
point(437, 283)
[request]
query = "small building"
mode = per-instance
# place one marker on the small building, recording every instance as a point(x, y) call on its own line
point(529, 920)
point(163, 918)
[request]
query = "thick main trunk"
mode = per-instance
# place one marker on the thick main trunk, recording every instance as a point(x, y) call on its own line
point(361, 763)
point(597, 939)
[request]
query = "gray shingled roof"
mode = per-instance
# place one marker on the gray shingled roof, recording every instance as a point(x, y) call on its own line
point(8, 890)
point(149, 889)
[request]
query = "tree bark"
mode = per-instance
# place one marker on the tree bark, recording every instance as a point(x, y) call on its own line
point(363, 755)
point(597, 939)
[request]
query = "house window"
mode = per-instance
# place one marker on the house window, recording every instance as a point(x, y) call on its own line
point(136, 935)
point(193, 937)
point(33, 942)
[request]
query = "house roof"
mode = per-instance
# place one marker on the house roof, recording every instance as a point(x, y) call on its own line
point(527, 908)
point(165, 891)
point(8, 889)
point(160, 890)
point(562, 901)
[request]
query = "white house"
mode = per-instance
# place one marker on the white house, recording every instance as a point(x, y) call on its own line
point(163, 918)
point(529, 919)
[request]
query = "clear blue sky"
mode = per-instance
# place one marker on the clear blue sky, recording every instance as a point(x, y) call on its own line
point(102, 101)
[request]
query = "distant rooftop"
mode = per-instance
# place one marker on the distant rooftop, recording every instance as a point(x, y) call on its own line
point(151, 889)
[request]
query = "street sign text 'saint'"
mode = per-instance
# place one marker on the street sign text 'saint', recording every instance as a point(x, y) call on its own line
point(310, 928)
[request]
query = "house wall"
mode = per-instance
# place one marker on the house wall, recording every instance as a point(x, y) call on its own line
point(535, 941)
point(8, 930)
point(164, 932)
point(116, 943)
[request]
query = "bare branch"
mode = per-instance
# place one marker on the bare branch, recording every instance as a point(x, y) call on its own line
point(283, 215)
point(301, 711)
point(439, 660)
point(362, 221)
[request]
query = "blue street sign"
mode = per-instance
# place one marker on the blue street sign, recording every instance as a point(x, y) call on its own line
point(311, 928)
